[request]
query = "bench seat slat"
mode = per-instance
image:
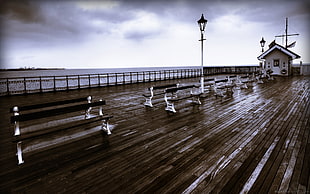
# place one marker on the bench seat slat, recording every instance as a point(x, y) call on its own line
point(54, 112)
point(182, 98)
point(66, 126)
point(157, 94)
point(48, 104)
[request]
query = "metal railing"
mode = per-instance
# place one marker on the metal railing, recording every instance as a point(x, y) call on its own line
point(26, 85)
point(230, 70)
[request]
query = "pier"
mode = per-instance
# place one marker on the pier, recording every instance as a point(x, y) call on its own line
point(254, 142)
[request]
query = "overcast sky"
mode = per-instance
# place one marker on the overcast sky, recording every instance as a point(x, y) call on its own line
point(142, 33)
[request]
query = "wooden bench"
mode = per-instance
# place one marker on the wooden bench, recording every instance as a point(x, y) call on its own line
point(245, 81)
point(209, 84)
point(224, 87)
point(264, 76)
point(260, 77)
point(44, 120)
point(173, 95)
point(156, 91)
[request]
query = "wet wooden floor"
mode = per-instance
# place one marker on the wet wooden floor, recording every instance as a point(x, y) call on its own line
point(256, 142)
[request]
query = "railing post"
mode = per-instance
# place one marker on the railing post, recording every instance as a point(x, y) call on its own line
point(7, 86)
point(89, 85)
point(54, 80)
point(79, 83)
point(25, 86)
point(108, 81)
point(41, 84)
point(99, 80)
point(67, 82)
point(124, 82)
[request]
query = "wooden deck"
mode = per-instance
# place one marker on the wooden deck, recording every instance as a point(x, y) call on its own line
point(256, 142)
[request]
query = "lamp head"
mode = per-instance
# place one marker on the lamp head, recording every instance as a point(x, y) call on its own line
point(262, 42)
point(202, 23)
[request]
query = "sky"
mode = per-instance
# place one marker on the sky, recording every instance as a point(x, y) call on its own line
point(140, 33)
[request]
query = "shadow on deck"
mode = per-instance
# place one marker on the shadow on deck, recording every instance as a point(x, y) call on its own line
point(257, 141)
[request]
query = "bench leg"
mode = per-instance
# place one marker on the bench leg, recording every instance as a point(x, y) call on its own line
point(196, 100)
point(16, 127)
point(244, 86)
point(19, 152)
point(219, 92)
point(230, 91)
point(170, 107)
point(105, 127)
point(148, 102)
point(260, 81)
point(87, 113)
point(100, 109)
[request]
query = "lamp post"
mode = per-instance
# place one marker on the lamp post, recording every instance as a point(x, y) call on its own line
point(202, 25)
point(262, 44)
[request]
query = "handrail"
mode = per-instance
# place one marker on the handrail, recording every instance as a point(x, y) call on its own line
point(39, 84)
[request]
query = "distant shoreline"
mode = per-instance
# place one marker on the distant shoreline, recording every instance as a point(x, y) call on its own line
point(32, 69)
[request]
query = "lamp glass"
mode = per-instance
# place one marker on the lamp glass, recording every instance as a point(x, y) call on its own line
point(262, 42)
point(202, 23)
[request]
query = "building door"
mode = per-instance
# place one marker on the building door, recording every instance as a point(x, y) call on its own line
point(276, 66)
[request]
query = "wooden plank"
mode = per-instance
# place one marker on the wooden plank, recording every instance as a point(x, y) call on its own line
point(261, 147)
point(195, 150)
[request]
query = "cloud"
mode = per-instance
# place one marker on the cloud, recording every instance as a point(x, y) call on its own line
point(49, 22)
point(145, 25)
point(98, 31)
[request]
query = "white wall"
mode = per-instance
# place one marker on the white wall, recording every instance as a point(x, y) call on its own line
point(283, 62)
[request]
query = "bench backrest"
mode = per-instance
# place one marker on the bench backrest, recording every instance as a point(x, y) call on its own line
point(49, 104)
point(170, 90)
point(221, 80)
point(165, 86)
point(209, 80)
point(54, 112)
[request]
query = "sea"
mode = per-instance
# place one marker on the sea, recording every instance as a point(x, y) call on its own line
point(63, 72)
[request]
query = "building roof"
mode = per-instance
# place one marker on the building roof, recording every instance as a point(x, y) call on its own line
point(280, 48)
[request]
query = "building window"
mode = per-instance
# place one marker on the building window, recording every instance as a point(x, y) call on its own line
point(283, 64)
point(276, 62)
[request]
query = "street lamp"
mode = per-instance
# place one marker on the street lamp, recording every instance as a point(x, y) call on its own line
point(262, 64)
point(202, 25)
point(262, 44)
